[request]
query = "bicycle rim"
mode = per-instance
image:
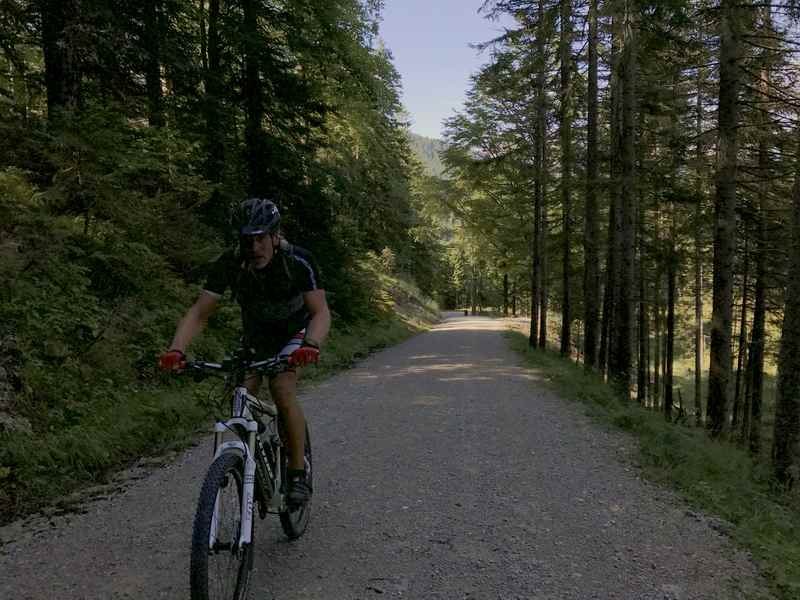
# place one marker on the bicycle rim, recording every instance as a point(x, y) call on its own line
point(220, 569)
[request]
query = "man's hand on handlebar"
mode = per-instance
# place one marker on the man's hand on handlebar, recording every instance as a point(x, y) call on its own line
point(173, 361)
point(306, 354)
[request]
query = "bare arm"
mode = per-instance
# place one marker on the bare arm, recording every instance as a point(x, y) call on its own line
point(320, 323)
point(194, 321)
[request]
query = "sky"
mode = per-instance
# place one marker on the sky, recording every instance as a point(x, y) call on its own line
point(429, 41)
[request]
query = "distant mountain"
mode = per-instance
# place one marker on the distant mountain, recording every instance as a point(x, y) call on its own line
point(427, 151)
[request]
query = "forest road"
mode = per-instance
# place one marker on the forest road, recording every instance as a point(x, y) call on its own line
point(443, 469)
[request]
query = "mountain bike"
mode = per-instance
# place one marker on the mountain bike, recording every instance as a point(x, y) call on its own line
point(248, 472)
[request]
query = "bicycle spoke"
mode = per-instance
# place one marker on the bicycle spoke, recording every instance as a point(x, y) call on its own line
point(223, 571)
point(226, 554)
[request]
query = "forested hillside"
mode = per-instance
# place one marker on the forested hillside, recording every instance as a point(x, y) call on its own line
point(127, 131)
point(428, 151)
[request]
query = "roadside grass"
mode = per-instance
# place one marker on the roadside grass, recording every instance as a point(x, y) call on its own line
point(718, 478)
point(49, 468)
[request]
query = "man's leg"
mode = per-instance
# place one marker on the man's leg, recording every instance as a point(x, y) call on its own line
point(253, 384)
point(283, 388)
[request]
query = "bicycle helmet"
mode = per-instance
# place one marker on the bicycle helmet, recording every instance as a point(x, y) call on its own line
point(255, 216)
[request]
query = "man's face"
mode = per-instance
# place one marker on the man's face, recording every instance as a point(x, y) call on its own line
point(258, 249)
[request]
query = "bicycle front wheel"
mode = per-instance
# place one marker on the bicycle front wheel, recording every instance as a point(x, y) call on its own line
point(294, 520)
point(220, 569)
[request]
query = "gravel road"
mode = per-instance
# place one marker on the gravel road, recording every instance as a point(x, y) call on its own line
point(443, 470)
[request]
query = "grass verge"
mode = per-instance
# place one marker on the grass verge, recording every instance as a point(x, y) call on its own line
point(717, 478)
point(41, 469)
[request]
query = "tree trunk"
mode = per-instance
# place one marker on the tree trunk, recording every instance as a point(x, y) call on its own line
point(480, 290)
point(672, 292)
point(621, 356)
point(514, 299)
point(505, 294)
point(642, 330)
point(257, 178)
point(543, 302)
point(591, 235)
point(649, 396)
point(566, 172)
point(62, 68)
point(787, 402)
point(213, 84)
point(533, 337)
point(657, 339)
point(758, 338)
point(698, 259)
point(203, 39)
point(747, 398)
point(610, 284)
point(152, 62)
point(742, 336)
point(719, 375)
point(541, 167)
point(474, 292)
point(642, 379)
point(611, 293)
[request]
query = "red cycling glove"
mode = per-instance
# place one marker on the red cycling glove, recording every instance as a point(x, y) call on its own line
point(174, 360)
point(304, 355)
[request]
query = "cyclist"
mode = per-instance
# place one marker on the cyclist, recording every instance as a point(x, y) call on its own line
point(284, 313)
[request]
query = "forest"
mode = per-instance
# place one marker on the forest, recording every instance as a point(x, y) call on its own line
point(128, 130)
point(629, 172)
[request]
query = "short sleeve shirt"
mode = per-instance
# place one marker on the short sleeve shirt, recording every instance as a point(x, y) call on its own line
point(271, 298)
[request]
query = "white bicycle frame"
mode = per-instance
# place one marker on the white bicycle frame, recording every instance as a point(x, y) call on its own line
point(243, 417)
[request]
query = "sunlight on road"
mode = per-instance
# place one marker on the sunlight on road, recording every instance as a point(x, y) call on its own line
point(446, 369)
point(472, 324)
point(458, 365)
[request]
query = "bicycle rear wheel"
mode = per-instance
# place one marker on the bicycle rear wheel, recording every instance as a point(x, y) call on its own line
point(220, 569)
point(294, 520)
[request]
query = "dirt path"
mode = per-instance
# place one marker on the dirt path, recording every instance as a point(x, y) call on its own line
point(443, 470)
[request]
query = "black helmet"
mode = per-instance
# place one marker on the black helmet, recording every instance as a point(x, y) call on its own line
point(255, 216)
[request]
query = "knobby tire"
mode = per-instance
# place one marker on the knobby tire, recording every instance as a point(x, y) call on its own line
point(205, 584)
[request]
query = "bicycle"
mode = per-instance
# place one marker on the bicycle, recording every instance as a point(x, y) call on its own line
point(248, 471)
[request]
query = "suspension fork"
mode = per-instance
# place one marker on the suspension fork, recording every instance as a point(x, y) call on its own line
point(248, 489)
point(248, 484)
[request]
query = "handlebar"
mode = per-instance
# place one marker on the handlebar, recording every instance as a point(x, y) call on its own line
point(271, 366)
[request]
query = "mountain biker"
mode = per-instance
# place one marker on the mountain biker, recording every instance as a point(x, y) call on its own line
point(284, 313)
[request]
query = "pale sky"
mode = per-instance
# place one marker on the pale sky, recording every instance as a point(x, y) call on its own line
point(429, 41)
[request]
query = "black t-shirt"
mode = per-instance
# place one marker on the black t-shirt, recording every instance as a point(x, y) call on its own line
point(271, 298)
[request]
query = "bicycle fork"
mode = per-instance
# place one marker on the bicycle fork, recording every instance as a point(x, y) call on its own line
point(248, 485)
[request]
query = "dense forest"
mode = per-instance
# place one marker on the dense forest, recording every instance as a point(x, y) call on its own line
point(630, 174)
point(127, 131)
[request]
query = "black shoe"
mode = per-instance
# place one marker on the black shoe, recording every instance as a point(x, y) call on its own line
point(299, 491)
